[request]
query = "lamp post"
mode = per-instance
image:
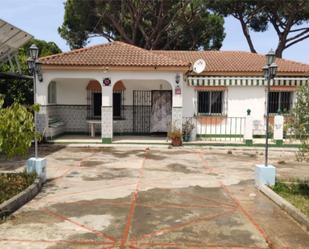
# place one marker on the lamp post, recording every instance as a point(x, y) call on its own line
point(34, 67)
point(270, 71)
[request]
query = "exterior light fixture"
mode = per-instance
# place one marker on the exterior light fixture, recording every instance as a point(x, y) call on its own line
point(34, 52)
point(270, 57)
point(177, 78)
point(269, 72)
point(273, 70)
point(34, 67)
point(31, 65)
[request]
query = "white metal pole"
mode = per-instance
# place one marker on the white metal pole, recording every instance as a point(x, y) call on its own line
point(35, 114)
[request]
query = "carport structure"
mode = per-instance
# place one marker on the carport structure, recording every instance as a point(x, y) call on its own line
point(159, 199)
point(11, 39)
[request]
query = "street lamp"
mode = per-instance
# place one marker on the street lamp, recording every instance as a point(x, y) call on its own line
point(34, 67)
point(269, 71)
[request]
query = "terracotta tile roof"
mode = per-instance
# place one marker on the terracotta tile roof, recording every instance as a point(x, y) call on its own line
point(112, 54)
point(122, 54)
point(235, 61)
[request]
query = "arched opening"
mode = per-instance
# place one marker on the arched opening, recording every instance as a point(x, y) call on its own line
point(118, 100)
point(52, 92)
point(94, 100)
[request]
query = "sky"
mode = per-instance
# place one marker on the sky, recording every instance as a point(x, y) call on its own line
point(41, 18)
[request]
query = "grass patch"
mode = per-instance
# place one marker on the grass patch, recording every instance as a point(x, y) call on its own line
point(13, 183)
point(297, 193)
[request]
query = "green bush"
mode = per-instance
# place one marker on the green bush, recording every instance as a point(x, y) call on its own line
point(300, 123)
point(16, 129)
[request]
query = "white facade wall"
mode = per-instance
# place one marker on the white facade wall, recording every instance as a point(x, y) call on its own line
point(71, 91)
point(132, 85)
point(242, 98)
point(189, 101)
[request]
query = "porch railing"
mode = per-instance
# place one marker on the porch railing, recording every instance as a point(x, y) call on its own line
point(220, 128)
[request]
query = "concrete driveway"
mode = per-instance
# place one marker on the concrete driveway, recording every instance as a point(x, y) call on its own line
point(157, 198)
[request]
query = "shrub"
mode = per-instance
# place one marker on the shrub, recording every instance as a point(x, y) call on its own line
point(16, 129)
point(300, 124)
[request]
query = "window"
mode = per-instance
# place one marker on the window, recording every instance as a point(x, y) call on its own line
point(210, 102)
point(279, 101)
point(97, 104)
point(52, 93)
point(117, 104)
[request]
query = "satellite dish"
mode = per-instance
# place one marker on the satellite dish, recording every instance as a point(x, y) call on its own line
point(199, 66)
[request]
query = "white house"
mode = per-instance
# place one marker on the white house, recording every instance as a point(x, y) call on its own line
point(117, 88)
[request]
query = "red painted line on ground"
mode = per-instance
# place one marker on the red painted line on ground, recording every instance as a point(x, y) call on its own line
point(197, 245)
point(57, 241)
point(75, 165)
point(199, 198)
point(182, 225)
point(61, 217)
point(126, 231)
point(249, 217)
point(243, 211)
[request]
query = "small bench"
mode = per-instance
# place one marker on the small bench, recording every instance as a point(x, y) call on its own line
point(55, 127)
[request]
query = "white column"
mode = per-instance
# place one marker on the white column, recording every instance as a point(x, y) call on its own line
point(177, 103)
point(107, 114)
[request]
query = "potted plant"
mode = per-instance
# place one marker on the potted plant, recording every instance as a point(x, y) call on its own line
point(187, 129)
point(176, 136)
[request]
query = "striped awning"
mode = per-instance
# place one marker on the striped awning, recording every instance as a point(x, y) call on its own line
point(245, 81)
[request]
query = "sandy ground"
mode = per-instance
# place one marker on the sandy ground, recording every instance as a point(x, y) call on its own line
point(153, 198)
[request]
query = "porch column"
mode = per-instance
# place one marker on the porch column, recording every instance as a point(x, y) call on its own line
point(107, 114)
point(177, 105)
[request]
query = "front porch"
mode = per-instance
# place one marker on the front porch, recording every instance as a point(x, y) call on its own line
point(124, 139)
point(141, 105)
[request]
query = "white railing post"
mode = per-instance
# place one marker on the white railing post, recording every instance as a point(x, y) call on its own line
point(278, 129)
point(248, 134)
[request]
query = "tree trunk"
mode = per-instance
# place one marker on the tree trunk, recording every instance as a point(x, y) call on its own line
point(279, 49)
point(247, 35)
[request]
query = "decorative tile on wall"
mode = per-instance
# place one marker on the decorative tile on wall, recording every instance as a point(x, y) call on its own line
point(107, 121)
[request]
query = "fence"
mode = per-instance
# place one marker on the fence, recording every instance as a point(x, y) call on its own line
point(218, 128)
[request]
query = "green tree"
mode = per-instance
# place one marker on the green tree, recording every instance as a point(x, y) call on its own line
point(300, 122)
point(289, 18)
point(151, 24)
point(16, 129)
point(21, 91)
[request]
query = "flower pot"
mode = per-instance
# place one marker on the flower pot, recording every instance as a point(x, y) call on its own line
point(176, 141)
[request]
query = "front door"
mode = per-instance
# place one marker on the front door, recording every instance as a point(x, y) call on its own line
point(161, 111)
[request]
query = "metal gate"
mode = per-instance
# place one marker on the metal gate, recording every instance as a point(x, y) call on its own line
point(141, 111)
